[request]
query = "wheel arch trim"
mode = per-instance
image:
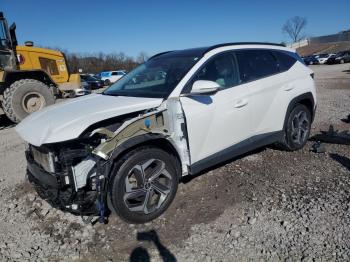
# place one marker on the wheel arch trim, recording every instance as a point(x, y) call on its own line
point(140, 140)
point(306, 97)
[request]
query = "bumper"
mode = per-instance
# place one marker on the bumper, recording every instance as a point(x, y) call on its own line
point(58, 193)
point(81, 92)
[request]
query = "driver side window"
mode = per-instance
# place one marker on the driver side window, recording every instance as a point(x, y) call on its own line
point(222, 69)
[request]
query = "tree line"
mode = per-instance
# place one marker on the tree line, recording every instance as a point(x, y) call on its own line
point(96, 63)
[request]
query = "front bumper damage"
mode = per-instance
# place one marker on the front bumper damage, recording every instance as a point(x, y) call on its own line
point(76, 178)
point(60, 189)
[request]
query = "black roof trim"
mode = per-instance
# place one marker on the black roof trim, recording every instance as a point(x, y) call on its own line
point(207, 49)
point(159, 54)
point(242, 43)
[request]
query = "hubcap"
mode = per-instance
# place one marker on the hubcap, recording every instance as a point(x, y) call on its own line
point(32, 102)
point(300, 127)
point(147, 186)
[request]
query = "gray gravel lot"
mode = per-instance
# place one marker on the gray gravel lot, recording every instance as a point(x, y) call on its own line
point(267, 205)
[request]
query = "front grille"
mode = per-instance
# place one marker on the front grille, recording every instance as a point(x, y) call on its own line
point(43, 158)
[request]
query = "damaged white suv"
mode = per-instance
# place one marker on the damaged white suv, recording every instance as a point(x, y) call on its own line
point(177, 114)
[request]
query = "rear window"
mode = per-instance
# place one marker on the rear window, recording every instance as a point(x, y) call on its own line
point(254, 64)
point(105, 74)
point(286, 59)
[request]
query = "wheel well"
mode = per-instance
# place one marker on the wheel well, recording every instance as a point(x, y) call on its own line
point(39, 75)
point(161, 143)
point(308, 103)
point(304, 99)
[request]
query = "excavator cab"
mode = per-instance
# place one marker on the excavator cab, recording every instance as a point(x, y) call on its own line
point(7, 45)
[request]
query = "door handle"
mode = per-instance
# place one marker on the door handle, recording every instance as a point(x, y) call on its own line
point(241, 103)
point(288, 87)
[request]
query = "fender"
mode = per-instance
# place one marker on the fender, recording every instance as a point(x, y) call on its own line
point(11, 74)
point(306, 96)
point(133, 142)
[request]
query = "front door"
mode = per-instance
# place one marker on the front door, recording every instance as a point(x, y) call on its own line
point(217, 122)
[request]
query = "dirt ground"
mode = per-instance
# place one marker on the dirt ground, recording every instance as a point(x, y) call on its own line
point(268, 205)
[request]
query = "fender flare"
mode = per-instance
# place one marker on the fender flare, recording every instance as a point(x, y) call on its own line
point(37, 72)
point(306, 96)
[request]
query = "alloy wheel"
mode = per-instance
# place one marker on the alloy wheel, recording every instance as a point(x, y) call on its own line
point(147, 186)
point(300, 127)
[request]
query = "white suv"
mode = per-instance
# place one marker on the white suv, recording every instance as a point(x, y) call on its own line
point(175, 115)
point(110, 77)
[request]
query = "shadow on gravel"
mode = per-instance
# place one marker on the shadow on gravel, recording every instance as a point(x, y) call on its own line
point(341, 159)
point(346, 71)
point(5, 122)
point(141, 254)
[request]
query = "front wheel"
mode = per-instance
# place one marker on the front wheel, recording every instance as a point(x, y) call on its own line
point(144, 184)
point(297, 128)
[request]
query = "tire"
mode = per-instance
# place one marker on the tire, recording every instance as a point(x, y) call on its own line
point(24, 97)
point(128, 191)
point(107, 82)
point(295, 134)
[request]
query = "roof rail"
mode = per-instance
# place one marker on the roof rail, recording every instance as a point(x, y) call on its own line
point(159, 54)
point(242, 43)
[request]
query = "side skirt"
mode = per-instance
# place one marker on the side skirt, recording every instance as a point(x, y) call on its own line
point(236, 150)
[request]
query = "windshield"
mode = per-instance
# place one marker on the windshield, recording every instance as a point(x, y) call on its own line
point(3, 36)
point(156, 78)
point(88, 78)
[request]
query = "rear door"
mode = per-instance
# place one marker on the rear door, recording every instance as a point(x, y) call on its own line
point(270, 89)
point(217, 122)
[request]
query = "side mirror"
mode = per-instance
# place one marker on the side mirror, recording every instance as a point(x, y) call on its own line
point(204, 87)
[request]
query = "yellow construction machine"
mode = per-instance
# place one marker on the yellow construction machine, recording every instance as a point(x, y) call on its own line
point(30, 77)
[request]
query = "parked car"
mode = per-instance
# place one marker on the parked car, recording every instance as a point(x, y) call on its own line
point(311, 60)
point(93, 83)
point(82, 91)
point(97, 76)
point(177, 114)
point(322, 58)
point(111, 77)
point(342, 57)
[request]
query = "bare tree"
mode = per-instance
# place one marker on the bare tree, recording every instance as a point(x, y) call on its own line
point(142, 57)
point(294, 28)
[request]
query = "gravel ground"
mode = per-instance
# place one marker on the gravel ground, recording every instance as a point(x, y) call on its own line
point(267, 205)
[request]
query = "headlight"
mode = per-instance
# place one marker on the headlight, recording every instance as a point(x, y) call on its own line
point(45, 159)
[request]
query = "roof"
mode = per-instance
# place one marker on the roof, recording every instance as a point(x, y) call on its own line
point(200, 51)
point(38, 50)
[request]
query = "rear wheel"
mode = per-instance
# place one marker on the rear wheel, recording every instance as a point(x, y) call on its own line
point(24, 97)
point(107, 82)
point(298, 128)
point(144, 184)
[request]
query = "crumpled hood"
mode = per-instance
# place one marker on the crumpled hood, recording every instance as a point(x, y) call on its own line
point(67, 120)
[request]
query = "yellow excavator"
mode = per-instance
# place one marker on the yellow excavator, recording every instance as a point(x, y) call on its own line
point(30, 77)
